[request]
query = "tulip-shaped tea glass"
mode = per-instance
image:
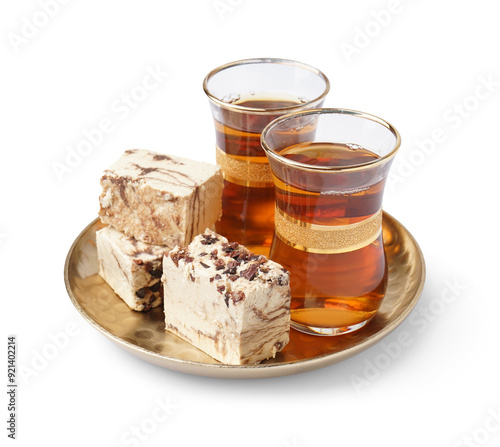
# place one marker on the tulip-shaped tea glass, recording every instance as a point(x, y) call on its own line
point(329, 168)
point(244, 97)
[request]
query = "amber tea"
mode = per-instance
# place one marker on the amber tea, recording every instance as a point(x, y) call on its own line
point(331, 289)
point(248, 195)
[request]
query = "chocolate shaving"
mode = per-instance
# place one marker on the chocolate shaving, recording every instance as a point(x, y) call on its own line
point(156, 273)
point(203, 254)
point(233, 277)
point(219, 264)
point(217, 276)
point(282, 281)
point(139, 261)
point(236, 296)
point(243, 256)
point(155, 287)
point(250, 272)
point(208, 240)
point(221, 289)
point(204, 265)
point(237, 255)
point(228, 248)
point(258, 258)
point(188, 259)
point(177, 256)
point(141, 293)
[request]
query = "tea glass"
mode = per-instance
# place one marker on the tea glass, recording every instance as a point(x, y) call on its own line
point(244, 97)
point(329, 168)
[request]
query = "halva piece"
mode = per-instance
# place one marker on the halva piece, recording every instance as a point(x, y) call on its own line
point(132, 268)
point(160, 199)
point(226, 301)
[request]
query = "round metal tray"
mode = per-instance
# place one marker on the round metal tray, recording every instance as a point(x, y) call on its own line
point(144, 335)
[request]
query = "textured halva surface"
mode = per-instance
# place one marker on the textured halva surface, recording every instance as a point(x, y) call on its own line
point(226, 301)
point(160, 199)
point(132, 268)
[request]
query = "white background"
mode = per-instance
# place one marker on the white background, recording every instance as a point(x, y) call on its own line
point(426, 62)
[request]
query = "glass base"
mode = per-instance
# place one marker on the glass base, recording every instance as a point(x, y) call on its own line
point(328, 331)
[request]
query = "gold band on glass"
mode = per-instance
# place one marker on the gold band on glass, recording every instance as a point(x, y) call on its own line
point(327, 238)
point(245, 171)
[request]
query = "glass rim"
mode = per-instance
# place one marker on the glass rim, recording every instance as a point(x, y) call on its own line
point(324, 168)
point(266, 60)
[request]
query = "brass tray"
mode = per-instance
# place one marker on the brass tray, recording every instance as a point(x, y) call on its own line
point(143, 334)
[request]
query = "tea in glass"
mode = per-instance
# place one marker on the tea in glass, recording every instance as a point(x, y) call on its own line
point(329, 168)
point(244, 97)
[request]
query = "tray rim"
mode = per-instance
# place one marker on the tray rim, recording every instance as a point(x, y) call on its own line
point(220, 370)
